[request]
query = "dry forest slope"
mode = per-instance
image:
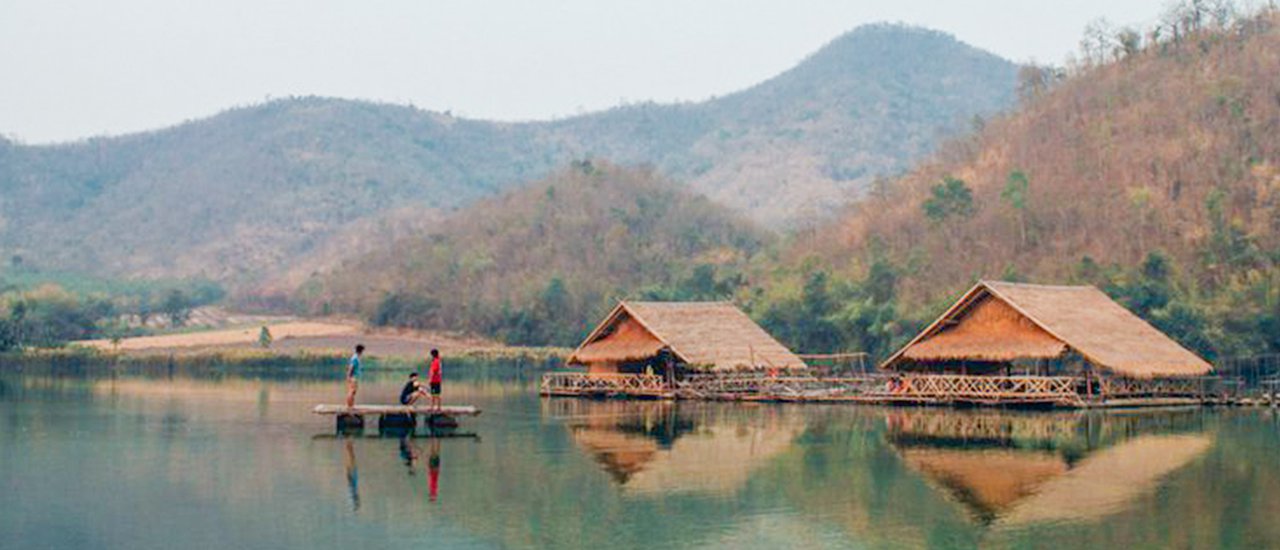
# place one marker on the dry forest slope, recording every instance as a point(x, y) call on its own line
point(536, 265)
point(1155, 175)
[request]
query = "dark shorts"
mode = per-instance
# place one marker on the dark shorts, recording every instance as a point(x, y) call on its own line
point(435, 388)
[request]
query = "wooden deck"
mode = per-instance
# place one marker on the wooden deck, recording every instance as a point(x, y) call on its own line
point(361, 410)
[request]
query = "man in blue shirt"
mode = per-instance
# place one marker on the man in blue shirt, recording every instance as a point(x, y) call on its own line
point(353, 375)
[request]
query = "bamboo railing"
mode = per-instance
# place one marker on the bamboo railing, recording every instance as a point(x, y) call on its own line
point(982, 389)
point(1122, 388)
point(602, 384)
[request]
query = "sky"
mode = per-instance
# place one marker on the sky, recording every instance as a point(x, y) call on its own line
point(71, 69)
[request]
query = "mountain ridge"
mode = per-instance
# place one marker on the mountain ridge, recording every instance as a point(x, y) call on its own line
point(235, 195)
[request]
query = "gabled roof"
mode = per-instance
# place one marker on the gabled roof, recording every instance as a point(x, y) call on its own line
point(998, 321)
point(706, 334)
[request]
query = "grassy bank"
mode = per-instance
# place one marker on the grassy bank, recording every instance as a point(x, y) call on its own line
point(269, 359)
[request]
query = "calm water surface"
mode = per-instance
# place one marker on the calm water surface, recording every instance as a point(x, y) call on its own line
point(95, 459)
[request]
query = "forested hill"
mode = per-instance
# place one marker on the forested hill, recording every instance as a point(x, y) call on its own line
point(1152, 171)
point(537, 265)
point(238, 196)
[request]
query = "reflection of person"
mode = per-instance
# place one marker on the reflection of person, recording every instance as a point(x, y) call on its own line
point(353, 477)
point(412, 390)
point(408, 453)
point(433, 470)
point(435, 378)
point(354, 370)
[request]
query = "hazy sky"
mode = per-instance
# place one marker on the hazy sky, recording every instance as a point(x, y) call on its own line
point(72, 69)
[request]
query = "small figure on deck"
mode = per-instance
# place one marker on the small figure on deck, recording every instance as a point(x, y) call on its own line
point(435, 378)
point(412, 390)
point(353, 375)
point(894, 385)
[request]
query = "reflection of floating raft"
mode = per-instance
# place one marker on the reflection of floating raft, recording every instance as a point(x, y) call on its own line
point(396, 416)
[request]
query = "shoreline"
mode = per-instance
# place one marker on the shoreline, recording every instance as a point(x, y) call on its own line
point(294, 342)
point(239, 358)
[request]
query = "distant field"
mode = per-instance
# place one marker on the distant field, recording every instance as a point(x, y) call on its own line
point(300, 336)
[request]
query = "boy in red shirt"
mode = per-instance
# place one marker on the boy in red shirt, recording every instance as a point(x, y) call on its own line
point(435, 378)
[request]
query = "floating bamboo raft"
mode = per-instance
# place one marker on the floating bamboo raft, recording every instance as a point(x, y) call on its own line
point(918, 389)
point(395, 416)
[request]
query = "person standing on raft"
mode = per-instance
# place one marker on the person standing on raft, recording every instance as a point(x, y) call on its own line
point(353, 375)
point(435, 378)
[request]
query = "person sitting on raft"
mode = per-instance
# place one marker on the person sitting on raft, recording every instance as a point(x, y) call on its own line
point(412, 390)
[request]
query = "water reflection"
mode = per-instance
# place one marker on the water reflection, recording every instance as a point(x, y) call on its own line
point(661, 447)
point(1011, 469)
point(433, 471)
point(353, 473)
point(235, 461)
point(411, 453)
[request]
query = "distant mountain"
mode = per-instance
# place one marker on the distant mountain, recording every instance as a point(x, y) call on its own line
point(869, 104)
point(534, 265)
point(242, 195)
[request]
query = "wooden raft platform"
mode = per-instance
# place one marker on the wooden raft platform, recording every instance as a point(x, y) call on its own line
point(396, 416)
point(908, 389)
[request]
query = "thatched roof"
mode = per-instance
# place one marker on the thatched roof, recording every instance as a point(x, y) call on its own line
point(714, 335)
point(997, 321)
point(628, 340)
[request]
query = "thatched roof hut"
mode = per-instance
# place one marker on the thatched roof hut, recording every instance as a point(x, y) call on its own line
point(710, 335)
point(998, 322)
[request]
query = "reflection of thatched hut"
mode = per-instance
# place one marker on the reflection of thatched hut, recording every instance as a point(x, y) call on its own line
point(1007, 329)
point(1109, 481)
point(637, 336)
point(621, 454)
point(708, 453)
point(988, 481)
point(1020, 487)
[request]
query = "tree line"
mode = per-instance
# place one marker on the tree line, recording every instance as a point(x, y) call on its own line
point(50, 315)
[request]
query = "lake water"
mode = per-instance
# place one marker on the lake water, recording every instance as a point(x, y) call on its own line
point(95, 459)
